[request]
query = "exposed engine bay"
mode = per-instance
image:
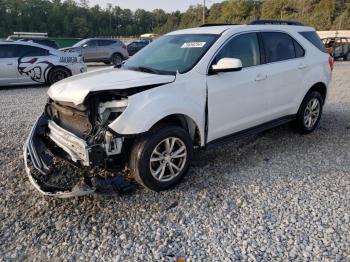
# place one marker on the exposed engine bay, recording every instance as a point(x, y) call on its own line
point(71, 128)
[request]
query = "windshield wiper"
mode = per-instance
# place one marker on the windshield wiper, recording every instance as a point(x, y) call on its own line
point(146, 69)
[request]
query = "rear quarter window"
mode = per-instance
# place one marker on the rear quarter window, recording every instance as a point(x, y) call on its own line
point(314, 39)
point(299, 50)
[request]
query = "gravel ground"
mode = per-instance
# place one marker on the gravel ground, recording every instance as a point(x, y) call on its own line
point(275, 196)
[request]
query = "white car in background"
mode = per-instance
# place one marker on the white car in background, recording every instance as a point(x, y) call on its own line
point(24, 63)
point(188, 90)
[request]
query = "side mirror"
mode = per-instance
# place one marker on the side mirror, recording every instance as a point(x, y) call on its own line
point(85, 45)
point(227, 65)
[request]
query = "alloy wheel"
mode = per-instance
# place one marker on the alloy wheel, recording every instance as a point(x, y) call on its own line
point(312, 113)
point(168, 159)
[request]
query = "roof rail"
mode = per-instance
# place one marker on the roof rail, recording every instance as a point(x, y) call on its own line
point(223, 24)
point(275, 22)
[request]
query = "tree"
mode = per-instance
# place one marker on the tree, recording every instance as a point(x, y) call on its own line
point(78, 19)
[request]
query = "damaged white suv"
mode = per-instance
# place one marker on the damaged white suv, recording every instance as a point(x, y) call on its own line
point(187, 90)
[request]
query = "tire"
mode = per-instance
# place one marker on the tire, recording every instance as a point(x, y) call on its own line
point(310, 113)
point(116, 59)
point(346, 57)
point(165, 170)
point(57, 74)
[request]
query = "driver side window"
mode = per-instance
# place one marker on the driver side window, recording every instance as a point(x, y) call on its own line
point(244, 47)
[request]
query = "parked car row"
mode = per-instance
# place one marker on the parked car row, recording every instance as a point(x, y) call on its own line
point(38, 60)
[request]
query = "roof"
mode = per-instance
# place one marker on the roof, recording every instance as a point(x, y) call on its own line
point(102, 38)
point(220, 29)
point(30, 44)
point(215, 30)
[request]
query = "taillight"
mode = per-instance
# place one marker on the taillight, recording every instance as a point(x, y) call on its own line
point(331, 62)
point(124, 46)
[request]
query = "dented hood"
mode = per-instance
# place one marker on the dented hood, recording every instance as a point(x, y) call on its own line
point(75, 89)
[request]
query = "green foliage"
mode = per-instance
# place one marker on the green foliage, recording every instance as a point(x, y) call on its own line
point(76, 19)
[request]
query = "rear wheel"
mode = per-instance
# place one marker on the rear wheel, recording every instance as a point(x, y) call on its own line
point(116, 59)
point(162, 158)
point(57, 74)
point(346, 57)
point(310, 112)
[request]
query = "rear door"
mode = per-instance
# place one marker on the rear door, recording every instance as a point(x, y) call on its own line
point(105, 49)
point(8, 65)
point(286, 67)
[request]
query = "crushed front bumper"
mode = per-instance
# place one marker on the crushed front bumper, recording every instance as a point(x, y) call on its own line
point(36, 158)
point(39, 159)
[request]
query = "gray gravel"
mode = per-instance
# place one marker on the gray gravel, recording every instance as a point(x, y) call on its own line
point(276, 196)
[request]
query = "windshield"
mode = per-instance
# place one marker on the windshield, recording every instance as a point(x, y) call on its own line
point(80, 43)
point(172, 53)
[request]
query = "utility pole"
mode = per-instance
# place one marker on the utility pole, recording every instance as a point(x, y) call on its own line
point(203, 12)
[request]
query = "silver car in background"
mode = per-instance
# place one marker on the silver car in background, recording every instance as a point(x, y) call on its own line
point(107, 50)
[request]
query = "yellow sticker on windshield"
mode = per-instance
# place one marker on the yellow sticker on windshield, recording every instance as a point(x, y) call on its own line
point(193, 45)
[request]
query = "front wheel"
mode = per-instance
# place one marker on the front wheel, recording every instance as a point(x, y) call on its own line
point(310, 112)
point(160, 159)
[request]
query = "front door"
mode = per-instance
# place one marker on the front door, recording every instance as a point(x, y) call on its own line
point(89, 50)
point(237, 100)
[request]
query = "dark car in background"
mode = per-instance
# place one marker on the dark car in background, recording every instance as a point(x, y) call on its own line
point(338, 47)
point(107, 50)
point(136, 46)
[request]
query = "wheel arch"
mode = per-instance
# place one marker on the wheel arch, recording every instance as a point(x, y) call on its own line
point(319, 87)
point(55, 67)
point(117, 53)
point(183, 121)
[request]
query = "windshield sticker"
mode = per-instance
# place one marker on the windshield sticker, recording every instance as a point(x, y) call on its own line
point(193, 45)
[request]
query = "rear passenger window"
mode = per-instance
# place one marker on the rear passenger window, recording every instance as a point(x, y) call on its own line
point(105, 42)
point(244, 47)
point(7, 51)
point(278, 46)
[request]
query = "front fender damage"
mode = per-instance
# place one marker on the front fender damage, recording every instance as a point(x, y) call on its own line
point(42, 168)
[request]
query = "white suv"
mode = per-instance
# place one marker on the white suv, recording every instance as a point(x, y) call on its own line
point(187, 90)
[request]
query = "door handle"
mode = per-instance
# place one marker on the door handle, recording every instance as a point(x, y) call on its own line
point(302, 66)
point(260, 77)
point(10, 64)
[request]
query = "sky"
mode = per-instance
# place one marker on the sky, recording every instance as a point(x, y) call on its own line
point(149, 5)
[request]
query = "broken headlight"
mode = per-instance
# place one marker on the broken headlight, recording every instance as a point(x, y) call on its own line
point(111, 110)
